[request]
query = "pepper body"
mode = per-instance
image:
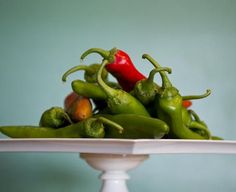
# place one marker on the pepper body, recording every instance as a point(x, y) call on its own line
point(89, 90)
point(124, 70)
point(136, 127)
point(169, 109)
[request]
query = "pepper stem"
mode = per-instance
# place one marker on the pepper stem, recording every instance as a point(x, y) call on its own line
point(67, 117)
point(191, 97)
point(74, 69)
point(195, 115)
point(110, 92)
point(108, 55)
point(154, 71)
point(165, 80)
point(111, 123)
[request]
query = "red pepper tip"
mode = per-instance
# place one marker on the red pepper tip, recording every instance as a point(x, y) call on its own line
point(187, 103)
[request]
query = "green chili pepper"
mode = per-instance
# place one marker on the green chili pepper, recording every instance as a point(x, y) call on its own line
point(88, 128)
point(119, 101)
point(169, 108)
point(145, 90)
point(136, 127)
point(90, 74)
point(55, 117)
point(192, 120)
point(89, 90)
point(200, 126)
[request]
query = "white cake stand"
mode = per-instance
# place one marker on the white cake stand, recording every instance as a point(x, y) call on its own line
point(114, 157)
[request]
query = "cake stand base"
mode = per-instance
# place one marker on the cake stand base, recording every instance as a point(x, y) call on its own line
point(114, 169)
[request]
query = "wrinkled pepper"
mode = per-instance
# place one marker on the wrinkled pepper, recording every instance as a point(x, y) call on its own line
point(146, 89)
point(169, 107)
point(55, 117)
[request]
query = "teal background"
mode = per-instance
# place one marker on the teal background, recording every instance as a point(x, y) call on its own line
point(40, 40)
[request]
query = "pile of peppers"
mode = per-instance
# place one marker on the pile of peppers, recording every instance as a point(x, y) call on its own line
point(133, 107)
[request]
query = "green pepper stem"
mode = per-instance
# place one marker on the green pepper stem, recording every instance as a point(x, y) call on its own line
point(191, 97)
point(154, 71)
point(195, 115)
point(110, 92)
point(67, 117)
point(111, 123)
point(165, 80)
point(108, 55)
point(74, 69)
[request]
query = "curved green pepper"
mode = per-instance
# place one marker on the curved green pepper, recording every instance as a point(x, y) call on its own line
point(169, 108)
point(192, 120)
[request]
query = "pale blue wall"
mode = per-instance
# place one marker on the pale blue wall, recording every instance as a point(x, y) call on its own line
point(39, 40)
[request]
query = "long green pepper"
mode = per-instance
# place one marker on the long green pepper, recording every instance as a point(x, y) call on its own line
point(88, 128)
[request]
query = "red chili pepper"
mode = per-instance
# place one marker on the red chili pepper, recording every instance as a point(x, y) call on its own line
point(187, 103)
point(120, 66)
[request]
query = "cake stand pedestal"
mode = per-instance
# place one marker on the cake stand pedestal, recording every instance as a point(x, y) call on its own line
point(114, 169)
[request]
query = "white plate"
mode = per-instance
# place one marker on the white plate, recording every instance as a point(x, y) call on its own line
point(118, 146)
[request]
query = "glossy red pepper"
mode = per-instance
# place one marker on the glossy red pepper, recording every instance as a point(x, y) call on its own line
point(120, 66)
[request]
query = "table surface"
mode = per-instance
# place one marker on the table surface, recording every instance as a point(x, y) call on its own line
point(119, 146)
